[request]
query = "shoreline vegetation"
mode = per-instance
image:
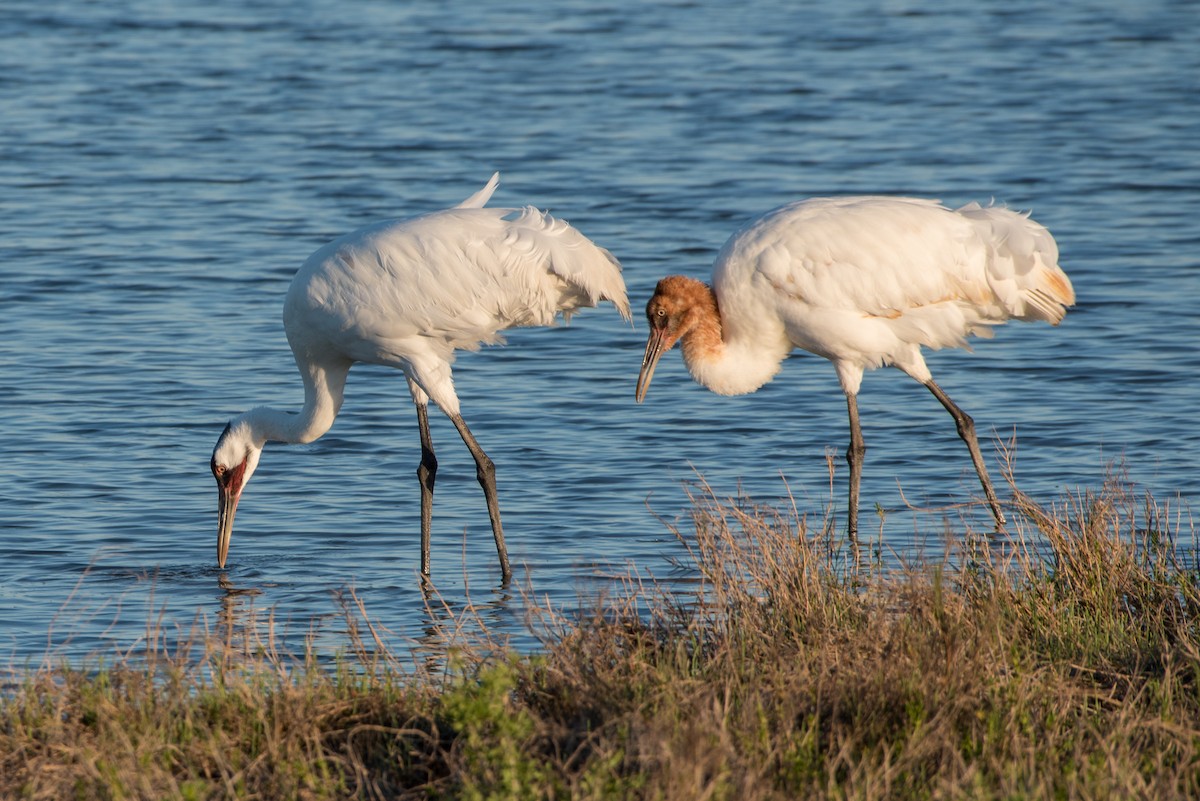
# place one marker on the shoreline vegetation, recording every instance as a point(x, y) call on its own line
point(1060, 661)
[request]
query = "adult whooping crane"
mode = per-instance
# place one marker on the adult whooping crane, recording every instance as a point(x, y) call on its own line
point(407, 294)
point(864, 282)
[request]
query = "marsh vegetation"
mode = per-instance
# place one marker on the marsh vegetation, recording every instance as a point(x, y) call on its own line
point(1060, 661)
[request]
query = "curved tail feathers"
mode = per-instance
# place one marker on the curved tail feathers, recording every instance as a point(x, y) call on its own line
point(1023, 266)
point(590, 273)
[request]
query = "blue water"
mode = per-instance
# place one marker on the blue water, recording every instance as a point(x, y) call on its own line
point(166, 166)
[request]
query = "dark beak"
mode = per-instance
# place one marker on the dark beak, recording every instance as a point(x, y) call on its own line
point(657, 344)
point(227, 501)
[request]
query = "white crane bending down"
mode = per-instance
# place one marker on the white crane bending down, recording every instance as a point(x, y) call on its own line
point(407, 294)
point(864, 282)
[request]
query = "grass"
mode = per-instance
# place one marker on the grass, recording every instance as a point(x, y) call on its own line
point(1061, 662)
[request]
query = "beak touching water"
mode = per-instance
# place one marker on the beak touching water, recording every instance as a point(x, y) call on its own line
point(229, 490)
point(657, 344)
point(227, 502)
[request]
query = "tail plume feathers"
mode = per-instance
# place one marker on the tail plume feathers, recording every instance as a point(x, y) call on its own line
point(1049, 295)
point(1023, 267)
point(588, 272)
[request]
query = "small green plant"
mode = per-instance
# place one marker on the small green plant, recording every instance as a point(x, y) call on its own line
point(494, 749)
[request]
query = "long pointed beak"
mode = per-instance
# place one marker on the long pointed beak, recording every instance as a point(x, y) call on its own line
point(227, 501)
point(656, 345)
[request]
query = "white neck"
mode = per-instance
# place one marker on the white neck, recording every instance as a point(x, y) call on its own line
point(732, 368)
point(730, 362)
point(324, 386)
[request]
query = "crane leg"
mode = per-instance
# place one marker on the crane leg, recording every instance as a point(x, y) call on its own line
point(427, 475)
point(485, 470)
point(966, 430)
point(854, 459)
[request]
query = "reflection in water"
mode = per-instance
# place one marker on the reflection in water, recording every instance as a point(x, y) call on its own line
point(453, 631)
point(244, 630)
point(460, 629)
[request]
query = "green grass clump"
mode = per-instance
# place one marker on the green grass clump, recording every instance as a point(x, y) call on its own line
point(1060, 661)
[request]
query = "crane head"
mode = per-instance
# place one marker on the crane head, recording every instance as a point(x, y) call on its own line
point(671, 313)
point(233, 462)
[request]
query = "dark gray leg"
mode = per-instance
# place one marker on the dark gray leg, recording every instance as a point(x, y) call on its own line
point(966, 430)
point(485, 471)
point(854, 458)
point(427, 475)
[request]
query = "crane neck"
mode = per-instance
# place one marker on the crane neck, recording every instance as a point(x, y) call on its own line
point(324, 388)
point(729, 359)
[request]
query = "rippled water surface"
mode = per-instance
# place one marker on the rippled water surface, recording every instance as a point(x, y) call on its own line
point(165, 167)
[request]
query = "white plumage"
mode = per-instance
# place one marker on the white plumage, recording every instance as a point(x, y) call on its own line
point(407, 294)
point(864, 282)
